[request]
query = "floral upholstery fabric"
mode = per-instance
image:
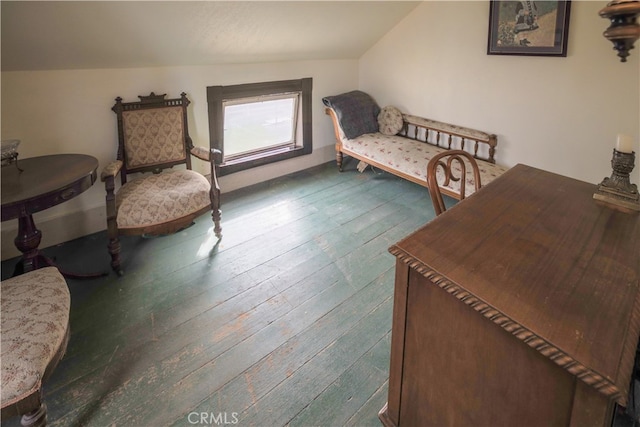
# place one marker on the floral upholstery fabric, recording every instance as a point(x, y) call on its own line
point(112, 169)
point(160, 198)
point(153, 136)
point(411, 157)
point(201, 153)
point(390, 120)
point(34, 316)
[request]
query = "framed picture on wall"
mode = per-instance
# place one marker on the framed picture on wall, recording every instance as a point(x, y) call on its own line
point(528, 27)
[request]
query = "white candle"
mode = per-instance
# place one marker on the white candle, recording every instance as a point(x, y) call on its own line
point(624, 143)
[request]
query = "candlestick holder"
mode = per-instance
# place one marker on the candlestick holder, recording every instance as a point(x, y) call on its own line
point(617, 190)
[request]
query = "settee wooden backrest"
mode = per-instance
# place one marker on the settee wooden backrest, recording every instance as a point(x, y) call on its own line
point(481, 145)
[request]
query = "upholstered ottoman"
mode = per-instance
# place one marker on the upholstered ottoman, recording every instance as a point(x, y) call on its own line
point(34, 333)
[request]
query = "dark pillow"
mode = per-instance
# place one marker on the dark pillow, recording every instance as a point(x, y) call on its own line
point(357, 112)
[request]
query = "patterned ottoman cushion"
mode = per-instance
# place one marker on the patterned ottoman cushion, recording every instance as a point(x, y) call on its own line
point(34, 315)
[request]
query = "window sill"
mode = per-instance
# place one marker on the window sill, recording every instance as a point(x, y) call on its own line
point(260, 159)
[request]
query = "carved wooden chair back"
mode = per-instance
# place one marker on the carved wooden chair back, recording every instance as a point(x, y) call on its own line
point(152, 134)
point(448, 166)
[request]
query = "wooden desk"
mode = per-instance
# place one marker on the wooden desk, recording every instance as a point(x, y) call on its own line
point(44, 182)
point(519, 306)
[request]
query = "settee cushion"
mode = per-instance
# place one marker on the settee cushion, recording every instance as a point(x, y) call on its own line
point(411, 158)
point(356, 111)
point(390, 120)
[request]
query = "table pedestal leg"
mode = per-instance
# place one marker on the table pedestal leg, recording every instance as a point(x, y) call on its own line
point(27, 242)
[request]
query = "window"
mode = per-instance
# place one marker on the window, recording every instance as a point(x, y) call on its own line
point(259, 123)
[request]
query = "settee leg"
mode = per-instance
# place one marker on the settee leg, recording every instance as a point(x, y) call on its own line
point(339, 160)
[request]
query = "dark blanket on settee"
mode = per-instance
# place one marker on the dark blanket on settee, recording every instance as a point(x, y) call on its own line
point(356, 111)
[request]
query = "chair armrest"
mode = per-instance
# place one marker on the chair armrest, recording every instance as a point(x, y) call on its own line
point(207, 154)
point(111, 170)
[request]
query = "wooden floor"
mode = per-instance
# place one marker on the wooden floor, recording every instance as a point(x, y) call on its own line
point(286, 321)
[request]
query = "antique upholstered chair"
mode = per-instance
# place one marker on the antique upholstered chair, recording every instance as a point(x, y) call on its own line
point(448, 166)
point(166, 195)
point(34, 333)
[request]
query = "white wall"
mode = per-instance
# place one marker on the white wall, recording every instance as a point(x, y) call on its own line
point(70, 112)
point(558, 114)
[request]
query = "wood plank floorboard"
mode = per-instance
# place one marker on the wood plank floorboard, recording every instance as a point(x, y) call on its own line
point(285, 321)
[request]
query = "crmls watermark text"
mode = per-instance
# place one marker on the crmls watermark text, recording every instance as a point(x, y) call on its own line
point(213, 418)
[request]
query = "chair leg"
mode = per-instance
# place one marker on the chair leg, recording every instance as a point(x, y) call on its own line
point(339, 160)
point(114, 251)
point(112, 225)
point(216, 213)
point(217, 229)
point(37, 418)
point(214, 195)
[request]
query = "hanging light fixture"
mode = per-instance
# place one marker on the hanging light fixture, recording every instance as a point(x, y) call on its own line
point(624, 29)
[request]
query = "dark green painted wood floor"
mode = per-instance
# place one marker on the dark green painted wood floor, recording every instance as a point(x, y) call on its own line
point(285, 322)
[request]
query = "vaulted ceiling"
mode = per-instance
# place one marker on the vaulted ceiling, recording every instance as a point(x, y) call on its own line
point(58, 35)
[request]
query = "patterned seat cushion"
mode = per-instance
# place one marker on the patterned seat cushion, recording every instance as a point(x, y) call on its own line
point(160, 198)
point(34, 317)
point(411, 157)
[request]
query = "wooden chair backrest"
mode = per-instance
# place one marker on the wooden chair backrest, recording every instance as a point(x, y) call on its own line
point(454, 164)
point(152, 133)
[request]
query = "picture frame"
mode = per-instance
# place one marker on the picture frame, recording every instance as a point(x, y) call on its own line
point(529, 28)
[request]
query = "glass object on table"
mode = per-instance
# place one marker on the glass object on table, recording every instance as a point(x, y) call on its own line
point(10, 152)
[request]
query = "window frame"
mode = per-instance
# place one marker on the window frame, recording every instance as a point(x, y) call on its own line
point(216, 95)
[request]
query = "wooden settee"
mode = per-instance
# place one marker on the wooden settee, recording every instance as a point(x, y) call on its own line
point(407, 152)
